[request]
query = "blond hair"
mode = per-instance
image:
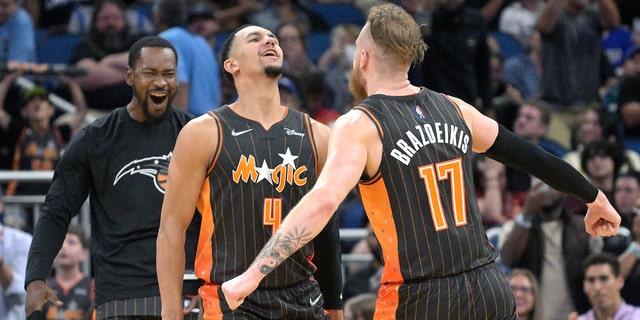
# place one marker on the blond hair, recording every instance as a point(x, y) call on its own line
point(397, 33)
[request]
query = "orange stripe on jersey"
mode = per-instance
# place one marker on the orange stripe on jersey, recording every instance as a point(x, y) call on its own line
point(387, 302)
point(218, 147)
point(307, 121)
point(204, 260)
point(375, 199)
point(373, 118)
point(210, 301)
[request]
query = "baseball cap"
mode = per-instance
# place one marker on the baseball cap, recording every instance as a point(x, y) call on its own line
point(35, 92)
point(200, 10)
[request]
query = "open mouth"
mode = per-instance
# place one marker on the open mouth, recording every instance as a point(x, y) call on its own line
point(158, 97)
point(269, 53)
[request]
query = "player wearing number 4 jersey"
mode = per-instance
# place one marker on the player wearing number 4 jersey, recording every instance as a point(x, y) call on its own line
point(243, 166)
point(410, 149)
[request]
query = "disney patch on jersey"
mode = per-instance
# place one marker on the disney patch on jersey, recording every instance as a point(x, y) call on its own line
point(418, 111)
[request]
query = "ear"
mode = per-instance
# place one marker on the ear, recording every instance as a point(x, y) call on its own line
point(230, 66)
point(364, 59)
point(128, 77)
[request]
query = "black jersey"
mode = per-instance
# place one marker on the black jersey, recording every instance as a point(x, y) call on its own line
point(122, 164)
point(77, 301)
point(256, 176)
point(421, 203)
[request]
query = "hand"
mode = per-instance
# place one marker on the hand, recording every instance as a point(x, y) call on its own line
point(601, 218)
point(196, 303)
point(38, 293)
point(539, 196)
point(238, 288)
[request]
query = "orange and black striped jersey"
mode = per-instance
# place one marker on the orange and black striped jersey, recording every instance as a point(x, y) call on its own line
point(256, 176)
point(421, 202)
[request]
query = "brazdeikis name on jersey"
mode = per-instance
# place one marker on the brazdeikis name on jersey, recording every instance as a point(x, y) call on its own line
point(426, 134)
point(281, 175)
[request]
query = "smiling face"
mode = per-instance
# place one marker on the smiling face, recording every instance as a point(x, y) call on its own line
point(154, 81)
point(255, 51)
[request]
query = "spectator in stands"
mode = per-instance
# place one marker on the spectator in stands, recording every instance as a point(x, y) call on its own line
point(277, 12)
point(574, 67)
point(198, 70)
point(548, 240)
point(496, 203)
point(592, 125)
point(289, 96)
point(532, 123)
point(523, 71)
point(420, 10)
point(40, 142)
point(601, 162)
point(364, 277)
point(201, 21)
point(72, 286)
point(525, 289)
point(629, 112)
point(630, 266)
point(231, 14)
point(315, 94)
point(337, 62)
point(294, 47)
point(457, 61)
point(602, 284)
point(139, 23)
point(519, 19)
point(103, 53)
point(17, 33)
point(490, 10)
point(626, 197)
point(13, 262)
point(360, 307)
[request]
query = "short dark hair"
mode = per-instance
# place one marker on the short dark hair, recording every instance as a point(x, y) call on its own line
point(602, 258)
point(603, 148)
point(173, 13)
point(146, 42)
point(79, 232)
point(226, 48)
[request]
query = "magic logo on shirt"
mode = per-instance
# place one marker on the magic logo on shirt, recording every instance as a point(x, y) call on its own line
point(154, 167)
point(283, 174)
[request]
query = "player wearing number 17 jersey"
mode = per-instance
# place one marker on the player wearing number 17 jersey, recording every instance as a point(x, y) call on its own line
point(409, 149)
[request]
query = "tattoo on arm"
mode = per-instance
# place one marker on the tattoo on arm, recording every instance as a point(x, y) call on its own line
point(280, 247)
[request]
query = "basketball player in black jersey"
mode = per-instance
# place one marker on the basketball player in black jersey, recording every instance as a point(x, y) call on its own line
point(243, 166)
point(410, 150)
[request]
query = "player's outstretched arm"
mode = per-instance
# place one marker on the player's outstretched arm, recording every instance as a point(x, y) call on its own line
point(503, 145)
point(349, 147)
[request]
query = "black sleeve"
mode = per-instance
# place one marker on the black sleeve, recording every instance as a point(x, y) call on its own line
point(514, 151)
point(328, 257)
point(68, 192)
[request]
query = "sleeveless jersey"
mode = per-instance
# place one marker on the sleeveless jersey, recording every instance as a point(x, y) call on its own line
point(421, 202)
point(255, 177)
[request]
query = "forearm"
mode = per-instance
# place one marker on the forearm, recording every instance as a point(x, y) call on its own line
point(302, 224)
point(628, 259)
point(520, 154)
point(609, 14)
point(549, 17)
point(170, 261)
point(514, 245)
point(6, 275)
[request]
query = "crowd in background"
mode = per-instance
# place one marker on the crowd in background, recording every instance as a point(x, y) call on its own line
point(563, 74)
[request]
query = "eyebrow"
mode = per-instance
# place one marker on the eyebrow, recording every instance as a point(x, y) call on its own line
point(258, 33)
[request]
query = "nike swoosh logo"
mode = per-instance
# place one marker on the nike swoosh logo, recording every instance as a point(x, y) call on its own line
point(235, 134)
point(315, 301)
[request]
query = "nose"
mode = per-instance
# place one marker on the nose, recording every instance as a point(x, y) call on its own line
point(160, 81)
point(270, 41)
